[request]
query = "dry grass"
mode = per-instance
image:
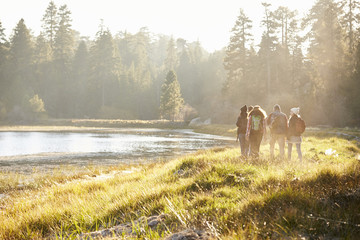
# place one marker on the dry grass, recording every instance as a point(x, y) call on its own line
point(214, 190)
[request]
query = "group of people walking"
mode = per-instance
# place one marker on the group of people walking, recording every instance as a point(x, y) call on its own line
point(252, 125)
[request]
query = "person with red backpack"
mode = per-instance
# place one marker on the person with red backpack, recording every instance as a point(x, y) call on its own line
point(241, 123)
point(278, 123)
point(256, 129)
point(296, 128)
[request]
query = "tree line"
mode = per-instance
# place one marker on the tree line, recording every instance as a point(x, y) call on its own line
point(61, 74)
point(311, 62)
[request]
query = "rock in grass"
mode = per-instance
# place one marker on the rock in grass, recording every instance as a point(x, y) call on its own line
point(126, 228)
point(191, 234)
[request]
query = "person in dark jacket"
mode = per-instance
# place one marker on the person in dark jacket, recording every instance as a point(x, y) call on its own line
point(241, 123)
point(278, 123)
point(256, 129)
point(294, 136)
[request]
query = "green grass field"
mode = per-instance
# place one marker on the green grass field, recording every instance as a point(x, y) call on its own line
point(213, 190)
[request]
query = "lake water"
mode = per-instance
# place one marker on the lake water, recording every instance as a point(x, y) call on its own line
point(22, 151)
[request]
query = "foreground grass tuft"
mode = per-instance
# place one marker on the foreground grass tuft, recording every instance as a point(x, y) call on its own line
point(213, 190)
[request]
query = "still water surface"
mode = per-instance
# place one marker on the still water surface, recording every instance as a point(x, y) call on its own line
point(25, 150)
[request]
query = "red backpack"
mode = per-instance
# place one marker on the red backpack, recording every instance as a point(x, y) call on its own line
point(300, 126)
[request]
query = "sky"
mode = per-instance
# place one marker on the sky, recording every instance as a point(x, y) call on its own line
point(207, 21)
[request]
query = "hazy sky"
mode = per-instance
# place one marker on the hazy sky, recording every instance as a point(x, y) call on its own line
point(209, 21)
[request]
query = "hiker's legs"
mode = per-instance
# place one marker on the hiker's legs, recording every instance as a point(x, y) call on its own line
point(272, 145)
point(255, 141)
point(252, 144)
point(239, 137)
point(298, 149)
point(243, 144)
point(281, 142)
point(247, 146)
point(258, 142)
point(289, 150)
point(280, 139)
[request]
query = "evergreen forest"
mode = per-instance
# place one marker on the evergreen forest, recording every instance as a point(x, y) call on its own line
point(312, 62)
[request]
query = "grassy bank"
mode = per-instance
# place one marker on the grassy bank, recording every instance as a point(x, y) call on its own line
point(212, 190)
point(88, 124)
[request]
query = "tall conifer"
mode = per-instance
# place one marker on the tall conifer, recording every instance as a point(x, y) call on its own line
point(171, 100)
point(50, 23)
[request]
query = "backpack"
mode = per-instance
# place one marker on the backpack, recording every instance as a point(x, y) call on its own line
point(256, 123)
point(278, 125)
point(300, 126)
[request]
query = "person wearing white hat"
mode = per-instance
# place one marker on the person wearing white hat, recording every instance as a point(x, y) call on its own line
point(296, 128)
point(295, 110)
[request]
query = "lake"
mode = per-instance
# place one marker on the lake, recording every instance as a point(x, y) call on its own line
point(23, 151)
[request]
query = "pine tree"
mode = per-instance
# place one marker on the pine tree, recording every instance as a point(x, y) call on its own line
point(4, 48)
point(286, 22)
point(21, 52)
point(105, 64)
point(63, 52)
point(42, 52)
point(142, 81)
point(350, 19)
point(171, 100)
point(187, 75)
point(21, 68)
point(326, 54)
point(171, 61)
point(64, 37)
point(197, 53)
point(268, 43)
point(270, 24)
point(123, 41)
point(2, 34)
point(50, 23)
point(42, 66)
point(140, 45)
point(326, 42)
point(236, 60)
point(4, 80)
point(21, 49)
point(80, 76)
point(351, 90)
point(282, 64)
point(197, 82)
point(212, 75)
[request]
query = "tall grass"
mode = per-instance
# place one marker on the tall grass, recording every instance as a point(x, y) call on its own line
point(213, 190)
